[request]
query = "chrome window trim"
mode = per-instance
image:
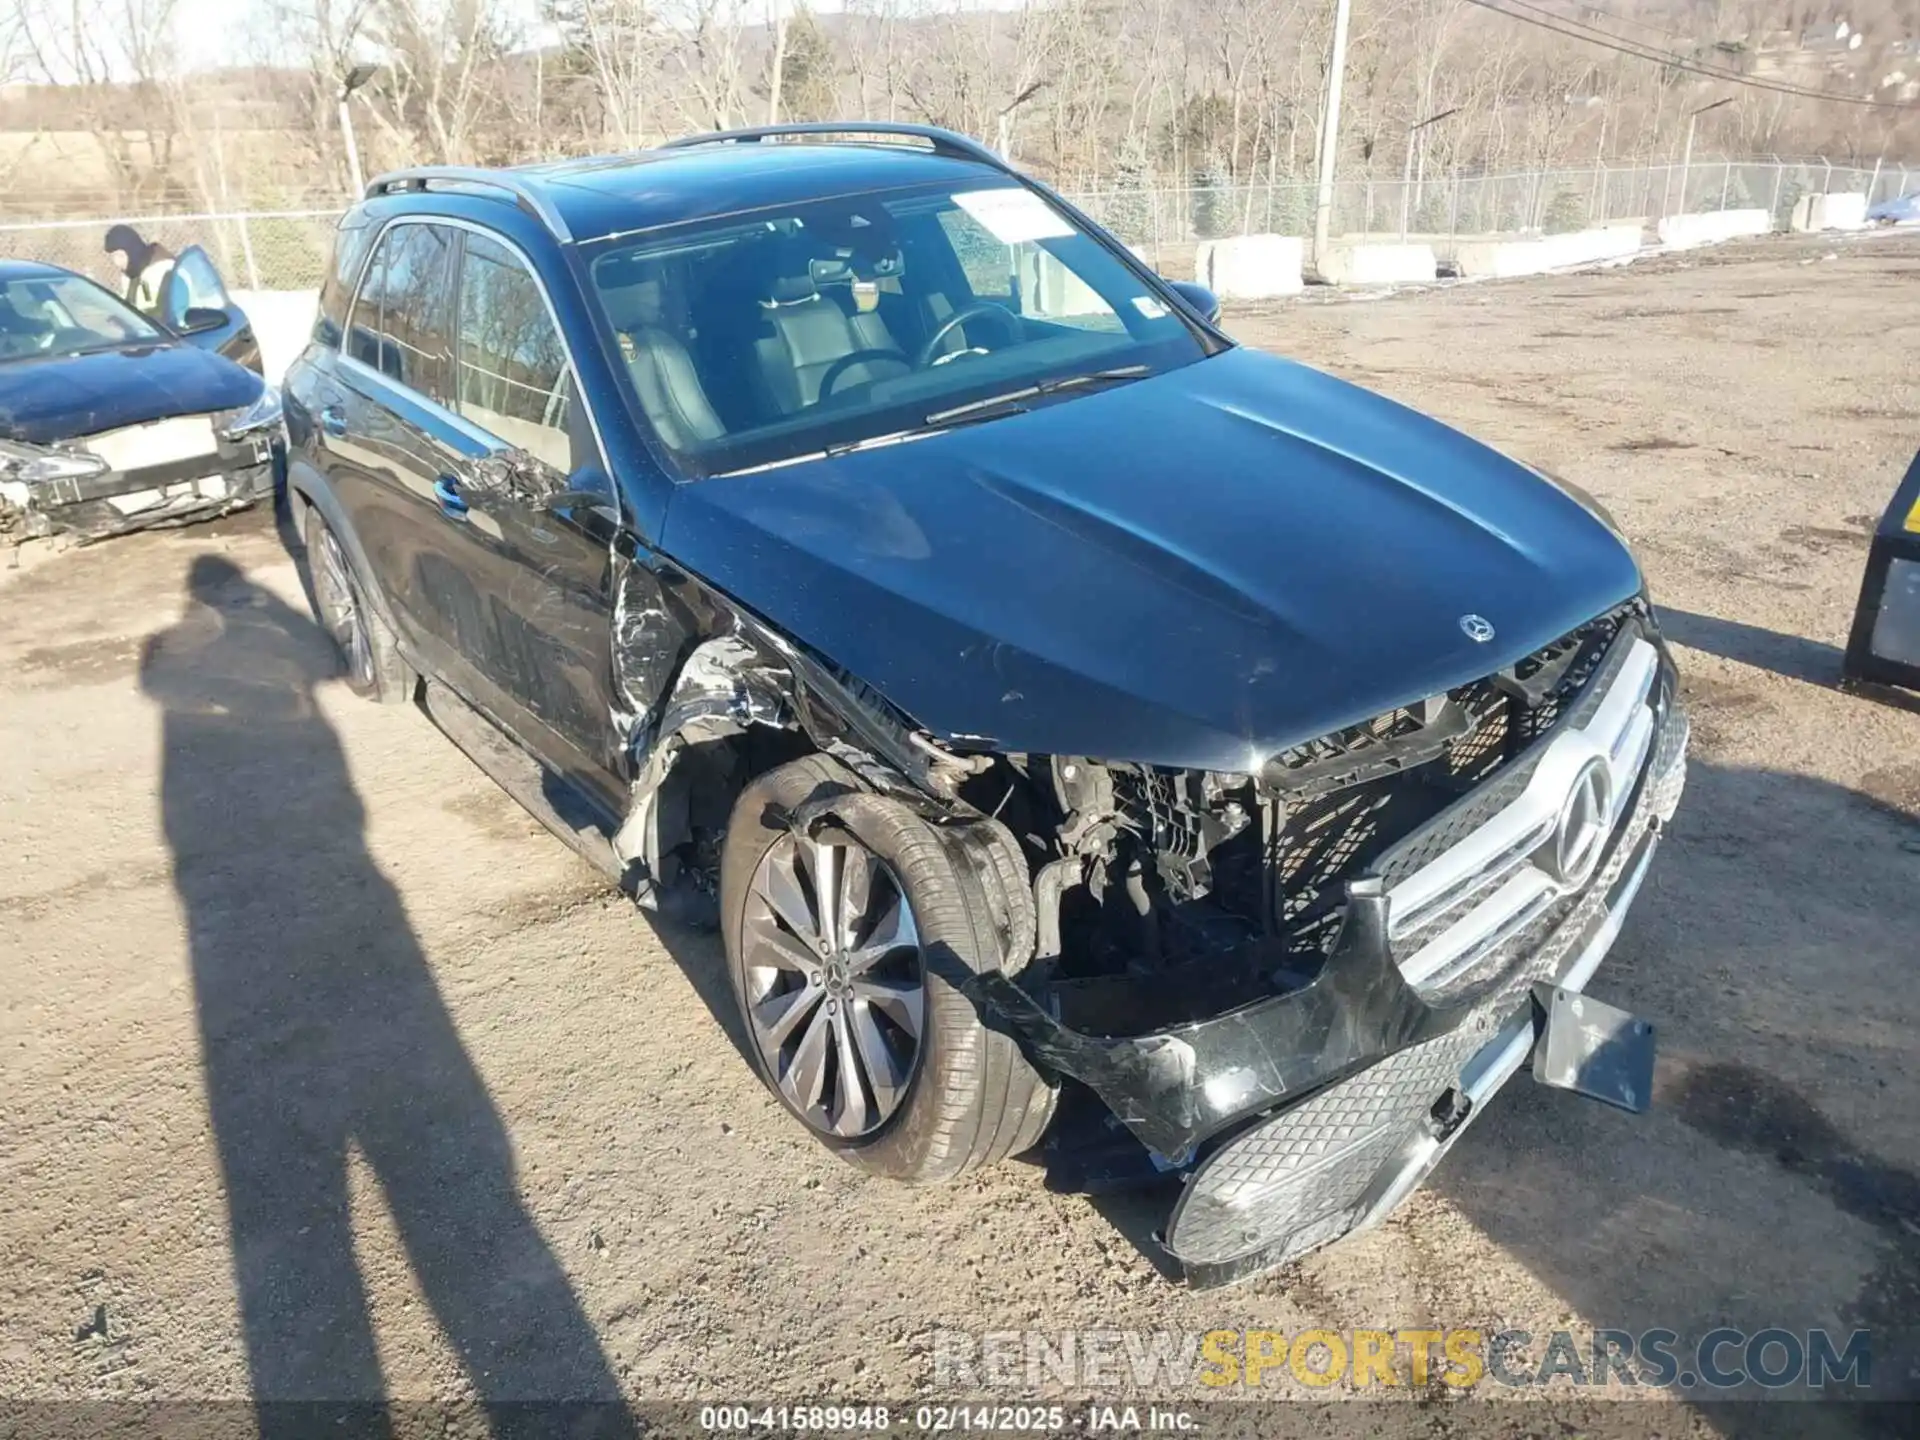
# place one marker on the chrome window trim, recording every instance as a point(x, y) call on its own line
point(467, 427)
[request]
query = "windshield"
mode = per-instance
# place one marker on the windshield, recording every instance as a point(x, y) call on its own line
point(44, 315)
point(752, 342)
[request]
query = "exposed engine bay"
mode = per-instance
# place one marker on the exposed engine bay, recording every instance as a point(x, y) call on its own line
point(1172, 896)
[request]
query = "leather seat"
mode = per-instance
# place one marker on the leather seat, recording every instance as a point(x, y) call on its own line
point(807, 331)
point(662, 369)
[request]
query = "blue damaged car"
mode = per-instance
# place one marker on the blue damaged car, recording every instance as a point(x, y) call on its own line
point(1089, 736)
point(112, 420)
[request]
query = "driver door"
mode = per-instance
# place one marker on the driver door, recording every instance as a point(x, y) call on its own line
point(195, 305)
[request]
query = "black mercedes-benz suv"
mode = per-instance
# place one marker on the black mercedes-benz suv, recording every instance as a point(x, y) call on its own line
point(1061, 710)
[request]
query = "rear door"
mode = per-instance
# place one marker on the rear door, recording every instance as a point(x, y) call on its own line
point(521, 585)
point(387, 424)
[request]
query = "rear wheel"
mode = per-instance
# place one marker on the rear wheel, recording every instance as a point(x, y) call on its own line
point(373, 664)
point(846, 955)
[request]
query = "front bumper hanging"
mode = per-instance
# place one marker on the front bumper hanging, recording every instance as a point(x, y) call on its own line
point(1336, 1099)
point(240, 473)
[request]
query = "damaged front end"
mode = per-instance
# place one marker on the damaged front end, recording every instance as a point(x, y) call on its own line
point(1297, 988)
point(140, 477)
point(1294, 988)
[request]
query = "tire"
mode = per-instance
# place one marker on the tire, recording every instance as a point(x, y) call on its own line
point(368, 653)
point(971, 1098)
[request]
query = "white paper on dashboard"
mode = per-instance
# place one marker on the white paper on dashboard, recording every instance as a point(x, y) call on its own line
point(1014, 216)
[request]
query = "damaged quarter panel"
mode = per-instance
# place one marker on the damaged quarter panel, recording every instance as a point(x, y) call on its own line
point(1049, 582)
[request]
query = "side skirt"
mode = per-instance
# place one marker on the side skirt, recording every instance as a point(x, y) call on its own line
point(557, 803)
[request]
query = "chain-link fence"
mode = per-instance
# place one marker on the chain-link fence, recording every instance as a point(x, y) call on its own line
point(1166, 223)
point(259, 250)
point(287, 249)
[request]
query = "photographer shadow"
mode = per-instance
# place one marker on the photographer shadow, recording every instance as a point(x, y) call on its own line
point(323, 1036)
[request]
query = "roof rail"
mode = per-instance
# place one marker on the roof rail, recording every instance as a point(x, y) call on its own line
point(944, 142)
point(458, 178)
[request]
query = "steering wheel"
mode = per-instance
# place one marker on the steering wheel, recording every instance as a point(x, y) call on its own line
point(979, 310)
point(838, 369)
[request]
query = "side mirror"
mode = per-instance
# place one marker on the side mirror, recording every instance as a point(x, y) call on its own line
point(585, 489)
point(1202, 301)
point(198, 317)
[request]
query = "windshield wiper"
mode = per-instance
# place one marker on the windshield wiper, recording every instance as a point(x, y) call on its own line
point(974, 412)
point(932, 425)
point(994, 406)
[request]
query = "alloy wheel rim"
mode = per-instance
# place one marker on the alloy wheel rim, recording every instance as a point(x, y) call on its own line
point(835, 984)
point(340, 605)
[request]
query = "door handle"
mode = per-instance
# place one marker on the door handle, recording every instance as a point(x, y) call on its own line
point(447, 491)
point(333, 420)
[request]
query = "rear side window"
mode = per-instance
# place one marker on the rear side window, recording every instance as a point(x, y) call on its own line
point(350, 243)
point(402, 322)
point(514, 380)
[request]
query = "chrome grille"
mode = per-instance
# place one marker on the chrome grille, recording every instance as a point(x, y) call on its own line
point(1506, 862)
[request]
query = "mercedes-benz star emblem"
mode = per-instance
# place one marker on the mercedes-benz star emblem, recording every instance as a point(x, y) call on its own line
point(1581, 833)
point(1478, 628)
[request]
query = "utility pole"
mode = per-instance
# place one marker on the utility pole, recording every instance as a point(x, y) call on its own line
point(1406, 173)
point(779, 67)
point(355, 78)
point(1003, 122)
point(1686, 154)
point(1330, 130)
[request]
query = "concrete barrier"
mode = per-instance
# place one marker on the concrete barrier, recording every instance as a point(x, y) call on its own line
point(1499, 259)
point(1048, 289)
point(282, 320)
point(1250, 267)
point(1593, 247)
point(1682, 232)
point(1367, 263)
point(1845, 211)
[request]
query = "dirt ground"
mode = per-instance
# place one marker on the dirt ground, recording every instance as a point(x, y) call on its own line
point(328, 1073)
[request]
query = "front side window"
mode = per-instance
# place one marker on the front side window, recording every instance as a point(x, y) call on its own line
point(199, 281)
point(513, 379)
point(401, 322)
point(65, 315)
point(758, 341)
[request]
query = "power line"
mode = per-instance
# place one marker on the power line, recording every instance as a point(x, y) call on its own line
point(1639, 51)
point(1633, 21)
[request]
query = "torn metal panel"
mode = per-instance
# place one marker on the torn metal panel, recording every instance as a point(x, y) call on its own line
point(725, 686)
point(649, 638)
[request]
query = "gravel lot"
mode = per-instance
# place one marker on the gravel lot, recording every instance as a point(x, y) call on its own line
point(328, 1073)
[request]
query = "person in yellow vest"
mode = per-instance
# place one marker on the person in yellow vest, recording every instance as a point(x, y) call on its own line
point(145, 264)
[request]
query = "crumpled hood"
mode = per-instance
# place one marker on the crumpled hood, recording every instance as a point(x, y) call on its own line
point(1196, 569)
point(66, 396)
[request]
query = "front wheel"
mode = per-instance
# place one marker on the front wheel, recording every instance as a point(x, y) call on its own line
point(846, 955)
